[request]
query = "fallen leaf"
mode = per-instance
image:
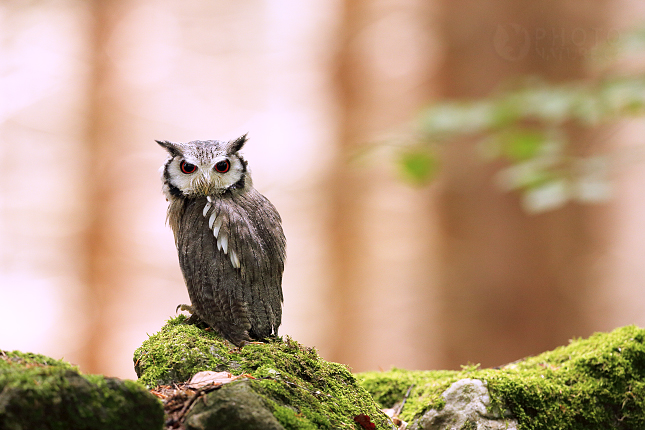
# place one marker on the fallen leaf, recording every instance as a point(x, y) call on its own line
point(207, 377)
point(202, 379)
point(364, 421)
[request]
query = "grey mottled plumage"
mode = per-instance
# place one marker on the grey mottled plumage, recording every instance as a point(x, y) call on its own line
point(229, 238)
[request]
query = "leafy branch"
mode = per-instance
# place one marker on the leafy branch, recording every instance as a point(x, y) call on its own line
point(530, 128)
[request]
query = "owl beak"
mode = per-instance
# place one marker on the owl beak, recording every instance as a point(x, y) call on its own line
point(206, 184)
point(202, 185)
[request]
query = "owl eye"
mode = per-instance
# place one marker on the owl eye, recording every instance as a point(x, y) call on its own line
point(223, 166)
point(187, 168)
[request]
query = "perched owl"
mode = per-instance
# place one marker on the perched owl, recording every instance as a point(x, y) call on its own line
point(229, 238)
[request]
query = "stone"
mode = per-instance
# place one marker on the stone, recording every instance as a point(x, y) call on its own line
point(467, 406)
point(233, 407)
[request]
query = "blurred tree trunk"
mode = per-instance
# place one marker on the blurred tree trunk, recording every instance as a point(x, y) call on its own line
point(512, 284)
point(381, 227)
point(100, 269)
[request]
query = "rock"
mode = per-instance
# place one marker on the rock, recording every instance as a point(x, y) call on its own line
point(233, 407)
point(284, 379)
point(38, 392)
point(467, 407)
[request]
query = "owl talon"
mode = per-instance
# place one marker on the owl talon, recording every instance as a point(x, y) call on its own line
point(184, 307)
point(243, 343)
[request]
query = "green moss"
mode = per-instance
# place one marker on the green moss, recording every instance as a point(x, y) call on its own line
point(291, 420)
point(596, 383)
point(389, 388)
point(469, 425)
point(18, 360)
point(176, 351)
point(303, 390)
point(38, 392)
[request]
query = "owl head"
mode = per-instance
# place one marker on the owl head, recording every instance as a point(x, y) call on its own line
point(204, 168)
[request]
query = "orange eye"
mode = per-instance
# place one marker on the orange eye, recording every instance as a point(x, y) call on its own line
point(187, 168)
point(222, 166)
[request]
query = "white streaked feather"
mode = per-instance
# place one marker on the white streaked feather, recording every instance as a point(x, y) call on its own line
point(210, 199)
point(217, 224)
point(211, 220)
point(235, 261)
point(222, 243)
point(225, 243)
point(207, 207)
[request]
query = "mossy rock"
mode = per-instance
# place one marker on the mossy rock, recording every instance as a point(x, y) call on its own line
point(38, 392)
point(292, 382)
point(592, 384)
point(233, 407)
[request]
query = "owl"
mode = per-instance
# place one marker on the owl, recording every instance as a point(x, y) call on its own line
point(229, 238)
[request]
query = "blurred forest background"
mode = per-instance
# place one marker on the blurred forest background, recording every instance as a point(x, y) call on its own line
point(499, 211)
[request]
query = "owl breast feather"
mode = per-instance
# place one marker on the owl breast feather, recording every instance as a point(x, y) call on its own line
point(231, 252)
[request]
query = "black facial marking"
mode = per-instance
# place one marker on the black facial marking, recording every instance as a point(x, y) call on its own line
point(174, 191)
point(166, 173)
point(244, 164)
point(238, 185)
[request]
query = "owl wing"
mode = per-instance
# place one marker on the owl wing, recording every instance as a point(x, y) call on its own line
point(247, 231)
point(211, 280)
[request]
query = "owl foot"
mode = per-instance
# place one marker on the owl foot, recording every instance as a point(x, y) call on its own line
point(184, 307)
point(193, 319)
point(251, 342)
point(243, 343)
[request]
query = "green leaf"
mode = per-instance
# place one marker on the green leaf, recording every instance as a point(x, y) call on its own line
point(418, 166)
point(521, 144)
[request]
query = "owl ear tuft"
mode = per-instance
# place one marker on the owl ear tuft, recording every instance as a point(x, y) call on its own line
point(172, 148)
point(237, 144)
